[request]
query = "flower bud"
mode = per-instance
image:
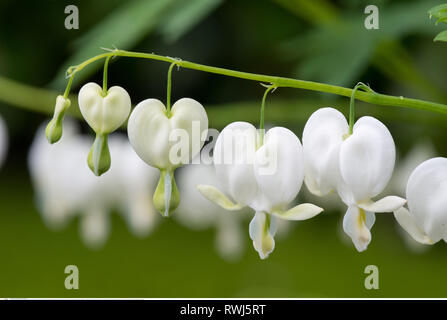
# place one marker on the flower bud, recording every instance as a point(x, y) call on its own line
point(99, 156)
point(53, 130)
point(166, 196)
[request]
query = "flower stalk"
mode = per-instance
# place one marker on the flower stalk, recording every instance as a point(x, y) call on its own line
point(366, 96)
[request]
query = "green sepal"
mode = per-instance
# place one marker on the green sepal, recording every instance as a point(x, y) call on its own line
point(53, 131)
point(99, 156)
point(166, 197)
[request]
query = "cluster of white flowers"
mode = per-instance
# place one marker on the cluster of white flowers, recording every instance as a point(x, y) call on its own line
point(265, 171)
point(66, 188)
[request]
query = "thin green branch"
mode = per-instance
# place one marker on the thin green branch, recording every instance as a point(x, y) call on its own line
point(261, 121)
point(358, 86)
point(370, 97)
point(104, 79)
point(169, 86)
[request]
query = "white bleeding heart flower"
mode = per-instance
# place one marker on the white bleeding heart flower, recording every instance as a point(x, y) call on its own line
point(426, 217)
point(104, 112)
point(166, 140)
point(266, 177)
point(357, 166)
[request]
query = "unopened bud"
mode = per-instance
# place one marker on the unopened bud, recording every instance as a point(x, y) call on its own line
point(166, 196)
point(53, 130)
point(99, 156)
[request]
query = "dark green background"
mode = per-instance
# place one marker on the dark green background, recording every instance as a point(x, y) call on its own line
point(312, 40)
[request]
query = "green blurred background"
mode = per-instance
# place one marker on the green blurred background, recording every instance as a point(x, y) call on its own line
point(314, 40)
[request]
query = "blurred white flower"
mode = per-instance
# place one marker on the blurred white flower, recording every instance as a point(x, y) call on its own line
point(422, 150)
point(3, 141)
point(65, 187)
point(426, 217)
point(198, 213)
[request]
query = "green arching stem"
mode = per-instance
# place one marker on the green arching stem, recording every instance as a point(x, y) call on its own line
point(261, 121)
point(370, 96)
point(67, 89)
point(104, 79)
point(168, 95)
point(362, 86)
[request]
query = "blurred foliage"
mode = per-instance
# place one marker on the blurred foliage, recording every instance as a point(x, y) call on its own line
point(317, 40)
point(440, 13)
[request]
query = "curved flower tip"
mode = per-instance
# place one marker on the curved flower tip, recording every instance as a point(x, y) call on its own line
point(215, 195)
point(300, 212)
point(426, 217)
point(357, 224)
point(407, 222)
point(386, 204)
point(262, 230)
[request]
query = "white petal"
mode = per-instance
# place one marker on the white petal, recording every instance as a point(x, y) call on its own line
point(355, 226)
point(215, 195)
point(262, 230)
point(322, 137)
point(427, 200)
point(104, 114)
point(164, 142)
point(278, 169)
point(302, 211)
point(148, 129)
point(233, 158)
point(387, 204)
point(367, 158)
point(407, 222)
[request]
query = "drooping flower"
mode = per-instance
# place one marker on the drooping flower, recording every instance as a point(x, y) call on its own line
point(426, 217)
point(264, 173)
point(420, 152)
point(65, 187)
point(3, 140)
point(357, 166)
point(167, 140)
point(104, 112)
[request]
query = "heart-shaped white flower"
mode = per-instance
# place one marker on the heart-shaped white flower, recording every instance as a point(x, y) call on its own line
point(265, 177)
point(104, 114)
point(426, 217)
point(357, 166)
point(166, 140)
